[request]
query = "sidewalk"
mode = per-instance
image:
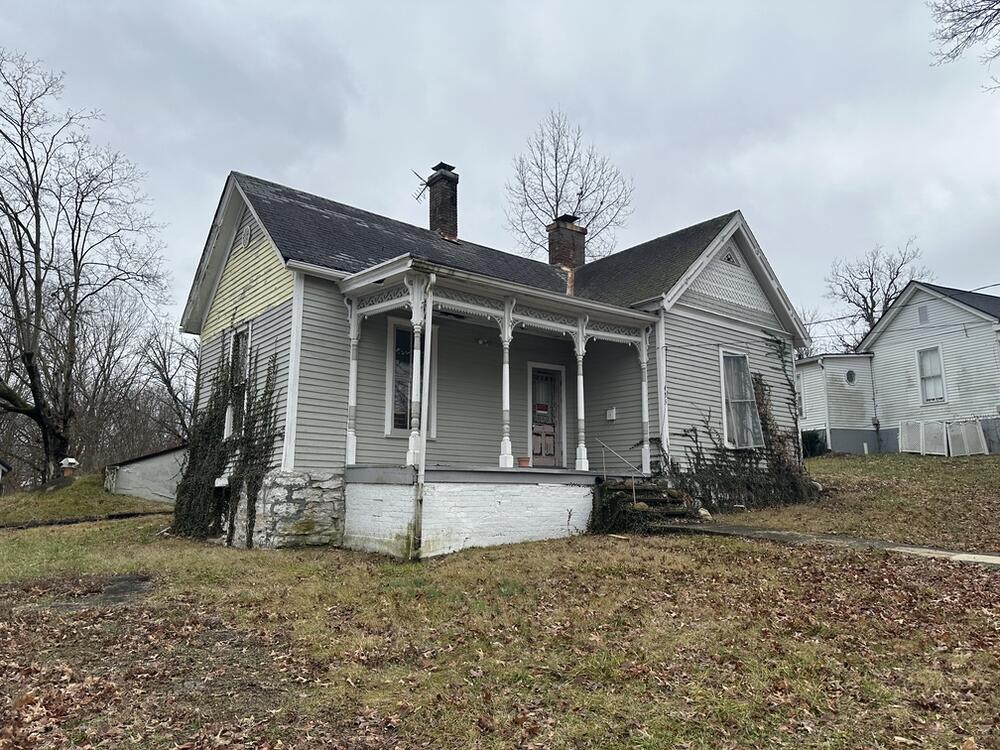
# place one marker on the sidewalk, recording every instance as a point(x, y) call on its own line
point(831, 540)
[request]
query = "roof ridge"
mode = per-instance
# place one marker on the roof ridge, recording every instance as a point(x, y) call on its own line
point(959, 290)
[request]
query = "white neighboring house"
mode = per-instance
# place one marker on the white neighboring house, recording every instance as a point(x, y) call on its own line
point(929, 368)
point(153, 476)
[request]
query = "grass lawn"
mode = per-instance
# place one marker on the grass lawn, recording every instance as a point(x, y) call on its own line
point(85, 498)
point(944, 502)
point(670, 642)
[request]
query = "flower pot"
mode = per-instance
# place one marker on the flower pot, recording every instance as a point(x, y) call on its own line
point(523, 462)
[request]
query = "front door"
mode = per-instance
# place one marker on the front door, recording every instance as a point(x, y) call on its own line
point(546, 391)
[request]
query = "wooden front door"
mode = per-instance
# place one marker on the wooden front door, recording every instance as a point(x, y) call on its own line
point(546, 405)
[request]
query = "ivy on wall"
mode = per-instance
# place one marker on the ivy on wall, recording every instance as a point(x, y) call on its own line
point(202, 507)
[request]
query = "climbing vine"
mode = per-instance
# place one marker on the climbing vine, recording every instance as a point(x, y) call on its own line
point(203, 509)
point(723, 478)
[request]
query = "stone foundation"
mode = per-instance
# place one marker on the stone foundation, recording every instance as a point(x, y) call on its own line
point(294, 509)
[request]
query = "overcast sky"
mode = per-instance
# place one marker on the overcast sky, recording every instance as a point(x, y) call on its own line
point(826, 123)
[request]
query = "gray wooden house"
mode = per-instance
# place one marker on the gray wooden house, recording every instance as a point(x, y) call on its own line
point(437, 394)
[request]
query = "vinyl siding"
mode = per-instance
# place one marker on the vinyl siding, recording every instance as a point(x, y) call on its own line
point(253, 280)
point(270, 334)
point(814, 396)
point(694, 381)
point(321, 415)
point(970, 355)
point(612, 379)
point(850, 406)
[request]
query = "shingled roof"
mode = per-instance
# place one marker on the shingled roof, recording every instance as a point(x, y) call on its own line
point(650, 269)
point(310, 229)
point(986, 303)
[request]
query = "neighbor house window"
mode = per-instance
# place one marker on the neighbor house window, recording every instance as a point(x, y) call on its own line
point(931, 375)
point(239, 359)
point(399, 377)
point(851, 377)
point(741, 421)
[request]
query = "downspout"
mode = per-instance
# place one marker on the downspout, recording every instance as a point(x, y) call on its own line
point(425, 410)
point(876, 423)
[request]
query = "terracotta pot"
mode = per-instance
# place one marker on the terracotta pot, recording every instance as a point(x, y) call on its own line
point(523, 462)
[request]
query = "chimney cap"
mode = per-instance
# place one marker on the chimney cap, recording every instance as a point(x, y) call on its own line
point(442, 166)
point(568, 218)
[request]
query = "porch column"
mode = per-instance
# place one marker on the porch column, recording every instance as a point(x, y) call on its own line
point(354, 327)
point(506, 336)
point(417, 289)
point(580, 347)
point(661, 385)
point(643, 347)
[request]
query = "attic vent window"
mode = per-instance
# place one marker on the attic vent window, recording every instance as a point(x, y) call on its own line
point(851, 377)
point(245, 236)
point(922, 315)
point(731, 259)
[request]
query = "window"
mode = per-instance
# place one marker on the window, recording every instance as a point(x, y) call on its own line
point(239, 365)
point(922, 315)
point(851, 377)
point(399, 377)
point(740, 420)
point(402, 374)
point(800, 396)
point(931, 375)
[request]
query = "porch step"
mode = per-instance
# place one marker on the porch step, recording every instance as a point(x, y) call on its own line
point(639, 507)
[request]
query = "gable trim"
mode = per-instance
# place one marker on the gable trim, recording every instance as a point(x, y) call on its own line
point(902, 300)
point(757, 263)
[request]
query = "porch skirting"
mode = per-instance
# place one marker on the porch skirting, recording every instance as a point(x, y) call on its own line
point(461, 508)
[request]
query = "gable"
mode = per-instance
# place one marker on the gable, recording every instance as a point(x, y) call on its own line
point(922, 312)
point(728, 286)
point(253, 279)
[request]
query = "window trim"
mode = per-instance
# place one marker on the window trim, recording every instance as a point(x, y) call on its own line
point(920, 377)
point(392, 323)
point(723, 353)
point(247, 328)
point(800, 389)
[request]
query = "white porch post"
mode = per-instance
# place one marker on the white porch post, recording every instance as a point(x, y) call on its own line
point(354, 328)
point(580, 346)
point(643, 347)
point(506, 336)
point(661, 384)
point(417, 289)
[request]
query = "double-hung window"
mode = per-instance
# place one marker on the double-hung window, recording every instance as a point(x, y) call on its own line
point(931, 374)
point(399, 378)
point(740, 419)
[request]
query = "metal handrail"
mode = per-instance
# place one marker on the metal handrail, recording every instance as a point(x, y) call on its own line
point(635, 468)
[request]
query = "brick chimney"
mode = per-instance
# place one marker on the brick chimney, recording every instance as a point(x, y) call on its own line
point(443, 188)
point(566, 242)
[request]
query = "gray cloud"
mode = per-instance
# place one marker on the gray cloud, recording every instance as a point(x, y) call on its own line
point(827, 124)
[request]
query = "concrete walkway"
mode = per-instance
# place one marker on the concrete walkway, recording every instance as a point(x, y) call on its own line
point(831, 540)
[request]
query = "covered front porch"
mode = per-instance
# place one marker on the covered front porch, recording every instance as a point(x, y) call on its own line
point(445, 373)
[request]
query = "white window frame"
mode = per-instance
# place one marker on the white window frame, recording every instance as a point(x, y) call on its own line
point(920, 376)
point(723, 353)
point(800, 394)
point(392, 323)
point(247, 328)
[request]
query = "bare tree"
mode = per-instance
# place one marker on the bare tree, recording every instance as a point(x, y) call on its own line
point(560, 174)
point(965, 24)
point(73, 229)
point(809, 317)
point(867, 286)
point(172, 360)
